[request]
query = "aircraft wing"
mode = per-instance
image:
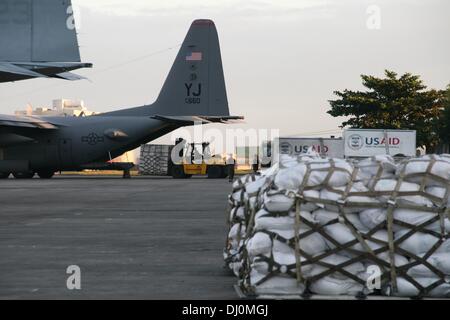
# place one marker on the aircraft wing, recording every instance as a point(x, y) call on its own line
point(14, 69)
point(41, 70)
point(21, 122)
point(15, 130)
point(191, 120)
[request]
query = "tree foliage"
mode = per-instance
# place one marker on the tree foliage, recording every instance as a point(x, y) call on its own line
point(444, 123)
point(393, 102)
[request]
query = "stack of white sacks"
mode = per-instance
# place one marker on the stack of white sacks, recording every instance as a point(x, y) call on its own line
point(290, 225)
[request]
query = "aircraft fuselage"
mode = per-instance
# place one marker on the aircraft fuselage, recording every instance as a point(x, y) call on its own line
point(84, 140)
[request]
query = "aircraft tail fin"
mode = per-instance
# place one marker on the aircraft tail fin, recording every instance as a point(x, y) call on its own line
point(38, 31)
point(195, 84)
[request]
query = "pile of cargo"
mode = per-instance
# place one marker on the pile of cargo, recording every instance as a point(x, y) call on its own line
point(338, 227)
point(154, 159)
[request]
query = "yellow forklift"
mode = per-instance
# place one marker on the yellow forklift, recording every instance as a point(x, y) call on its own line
point(196, 159)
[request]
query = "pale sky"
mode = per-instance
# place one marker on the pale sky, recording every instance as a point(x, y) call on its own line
point(282, 58)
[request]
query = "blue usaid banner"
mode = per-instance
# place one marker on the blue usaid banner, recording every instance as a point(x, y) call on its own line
point(370, 142)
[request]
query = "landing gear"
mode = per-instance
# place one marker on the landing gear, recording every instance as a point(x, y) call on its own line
point(126, 174)
point(45, 174)
point(4, 175)
point(23, 175)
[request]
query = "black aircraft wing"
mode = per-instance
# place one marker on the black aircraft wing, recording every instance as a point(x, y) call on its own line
point(15, 130)
point(25, 122)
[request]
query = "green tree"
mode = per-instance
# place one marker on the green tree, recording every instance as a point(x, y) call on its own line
point(444, 123)
point(392, 102)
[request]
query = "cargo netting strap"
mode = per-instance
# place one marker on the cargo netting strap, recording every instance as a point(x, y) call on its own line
point(298, 204)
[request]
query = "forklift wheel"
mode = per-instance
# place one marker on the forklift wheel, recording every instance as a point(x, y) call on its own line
point(48, 174)
point(215, 172)
point(224, 173)
point(178, 172)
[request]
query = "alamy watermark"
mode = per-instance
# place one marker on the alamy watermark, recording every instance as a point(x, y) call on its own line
point(373, 21)
point(74, 17)
point(225, 144)
point(373, 282)
point(74, 280)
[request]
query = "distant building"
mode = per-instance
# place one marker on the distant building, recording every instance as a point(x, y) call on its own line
point(60, 108)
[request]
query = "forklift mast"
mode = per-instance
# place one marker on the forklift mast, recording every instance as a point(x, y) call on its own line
point(192, 151)
point(198, 160)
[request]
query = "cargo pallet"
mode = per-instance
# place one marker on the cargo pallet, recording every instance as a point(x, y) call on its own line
point(242, 295)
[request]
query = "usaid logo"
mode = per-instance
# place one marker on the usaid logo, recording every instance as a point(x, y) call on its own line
point(355, 142)
point(285, 148)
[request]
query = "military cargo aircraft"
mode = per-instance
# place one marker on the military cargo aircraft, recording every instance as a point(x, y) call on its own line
point(194, 91)
point(38, 40)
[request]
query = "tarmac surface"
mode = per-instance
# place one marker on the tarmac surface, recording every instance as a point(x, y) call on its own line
point(139, 238)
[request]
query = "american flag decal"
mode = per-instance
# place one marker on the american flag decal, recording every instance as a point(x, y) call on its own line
point(194, 56)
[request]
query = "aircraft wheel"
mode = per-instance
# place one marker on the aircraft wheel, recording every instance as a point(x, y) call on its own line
point(4, 175)
point(178, 172)
point(215, 172)
point(45, 174)
point(23, 175)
